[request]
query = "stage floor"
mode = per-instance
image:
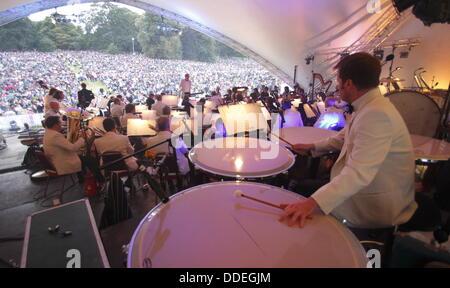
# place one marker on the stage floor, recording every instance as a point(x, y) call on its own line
point(16, 203)
point(12, 155)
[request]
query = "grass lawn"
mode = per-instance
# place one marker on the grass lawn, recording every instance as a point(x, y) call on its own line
point(94, 86)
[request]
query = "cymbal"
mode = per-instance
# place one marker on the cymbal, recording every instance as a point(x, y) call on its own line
point(391, 80)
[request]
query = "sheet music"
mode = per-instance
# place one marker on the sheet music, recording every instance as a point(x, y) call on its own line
point(138, 127)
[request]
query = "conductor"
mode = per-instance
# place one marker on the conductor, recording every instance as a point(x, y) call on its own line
point(84, 96)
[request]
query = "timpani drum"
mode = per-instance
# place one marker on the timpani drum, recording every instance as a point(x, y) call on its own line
point(302, 135)
point(207, 226)
point(430, 149)
point(420, 112)
point(241, 157)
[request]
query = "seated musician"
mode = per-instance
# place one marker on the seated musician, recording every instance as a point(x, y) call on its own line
point(286, 103)
point(216, 101)
point(113, 141)
point(187, 106)
point(372, 181)
point(265, 93)
point(130, 109)
point(117, 108)
point(163, 133)
point(254, 96)
point(166, 112)
point(116, 111)
point(306, 111)
point(159, 105)
point(59, 151)
point(163, 127)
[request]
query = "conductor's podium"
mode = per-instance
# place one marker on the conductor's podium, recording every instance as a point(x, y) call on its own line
point(79, 248)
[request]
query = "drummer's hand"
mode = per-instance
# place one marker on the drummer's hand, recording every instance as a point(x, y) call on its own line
point(298, 212)
point(303, 149)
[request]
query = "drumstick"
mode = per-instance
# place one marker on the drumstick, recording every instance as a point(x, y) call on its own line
point(284, 140)
point(239, 193)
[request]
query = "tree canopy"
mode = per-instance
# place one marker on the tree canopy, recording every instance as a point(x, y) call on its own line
point(112, 29)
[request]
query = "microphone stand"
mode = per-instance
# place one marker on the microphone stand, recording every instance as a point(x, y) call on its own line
point(133, 154)
point(153, 184)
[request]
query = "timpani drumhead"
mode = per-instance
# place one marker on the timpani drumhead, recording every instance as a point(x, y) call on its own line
point(241, 157)
point(420, 113)
point(302, 135)
point(207, 226)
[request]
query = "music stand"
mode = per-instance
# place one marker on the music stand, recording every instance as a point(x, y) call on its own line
point(241, 118)
point(170, 100)
point(138, 127)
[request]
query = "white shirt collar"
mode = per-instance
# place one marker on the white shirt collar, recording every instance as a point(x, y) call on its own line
point(366, 98)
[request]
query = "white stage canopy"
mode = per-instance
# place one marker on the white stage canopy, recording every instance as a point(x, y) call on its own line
point(281, 34)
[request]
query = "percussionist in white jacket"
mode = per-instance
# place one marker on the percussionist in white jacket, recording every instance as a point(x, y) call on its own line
point(372, 182)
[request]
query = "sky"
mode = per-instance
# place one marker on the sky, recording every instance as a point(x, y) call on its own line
point(74, 9)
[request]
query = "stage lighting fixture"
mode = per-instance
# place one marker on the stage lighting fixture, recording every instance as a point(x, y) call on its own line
point(379, 54)
point(309, 59)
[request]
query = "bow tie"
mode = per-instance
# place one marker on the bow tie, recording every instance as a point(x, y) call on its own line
point(350, 108)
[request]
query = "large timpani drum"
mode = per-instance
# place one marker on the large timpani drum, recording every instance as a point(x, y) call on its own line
point(302, 135)
point(292, 118)
point(207, 226)
point(241, 157)
point(430, 149)
point(420, 112)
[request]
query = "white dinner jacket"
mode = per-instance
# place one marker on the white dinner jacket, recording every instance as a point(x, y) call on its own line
point(372, 182)
point(61, 153)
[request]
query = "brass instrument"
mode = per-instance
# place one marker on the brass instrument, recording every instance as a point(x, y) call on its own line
point(77, 127)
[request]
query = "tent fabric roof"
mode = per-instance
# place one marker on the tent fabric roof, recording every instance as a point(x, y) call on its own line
point(281, 34)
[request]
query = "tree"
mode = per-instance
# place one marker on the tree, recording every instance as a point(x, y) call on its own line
point(18, 35)
point(224, 51)
point(67, 36)
point(64, 35)
point(159, 38)
point(108, 24)
point(112, 49)
point(46, 44)
point(197, 46)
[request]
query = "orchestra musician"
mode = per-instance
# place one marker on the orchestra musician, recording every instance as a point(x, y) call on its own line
point(52, 102)
point(372, 181)
point(185, 86)
point(159, 105)
point(163, 133)
point(130, 110)
point(59, 151)
point(113, 141)
point(84, 97)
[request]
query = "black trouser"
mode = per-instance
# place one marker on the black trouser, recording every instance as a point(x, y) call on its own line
point(381, 239)
point(90, 163)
